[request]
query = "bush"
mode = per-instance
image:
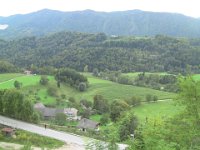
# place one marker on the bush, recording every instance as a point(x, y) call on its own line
point(148, 97)
point(60, 119)
point(155, 98)
point(44, 80)
point(63, 96)
point(17, 84)
point(104, 119)
point(52, 91)
point(82, 86)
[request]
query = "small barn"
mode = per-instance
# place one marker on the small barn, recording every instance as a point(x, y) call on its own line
point(8, 131)
point(27, 72)
point(85, 124)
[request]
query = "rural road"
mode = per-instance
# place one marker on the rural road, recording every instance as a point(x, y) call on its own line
point(68, 138)
point(62, 136)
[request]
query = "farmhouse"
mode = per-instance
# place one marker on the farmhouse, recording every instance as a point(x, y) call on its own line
point(88, 124)
point(49, 113)
point(27, 72)
point(71, 113)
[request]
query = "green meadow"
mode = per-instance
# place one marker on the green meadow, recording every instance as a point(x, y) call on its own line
point(160, 109)
point(196, 76)
point(9, 76)
point(110, 90)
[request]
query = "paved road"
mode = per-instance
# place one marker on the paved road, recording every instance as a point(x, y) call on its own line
point(68, 138)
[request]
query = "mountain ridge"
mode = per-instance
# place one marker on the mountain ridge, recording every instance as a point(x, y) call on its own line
point(130, 22)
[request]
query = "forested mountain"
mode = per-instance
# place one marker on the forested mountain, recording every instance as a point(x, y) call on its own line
point(76, 50)
point(133, 22)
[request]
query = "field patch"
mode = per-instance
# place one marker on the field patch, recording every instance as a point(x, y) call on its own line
point(162, 109)
point(9, 76)
point(196, 76)
point(25, 80)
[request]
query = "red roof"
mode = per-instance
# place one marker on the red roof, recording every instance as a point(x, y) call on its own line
point(8, 130)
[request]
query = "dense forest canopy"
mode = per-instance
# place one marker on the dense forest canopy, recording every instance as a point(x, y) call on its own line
point(126, 53)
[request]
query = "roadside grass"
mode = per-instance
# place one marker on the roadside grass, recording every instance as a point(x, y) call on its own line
point(24, 138)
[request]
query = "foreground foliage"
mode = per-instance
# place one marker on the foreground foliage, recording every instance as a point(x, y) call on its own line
point(181, 132)
point(13, 104)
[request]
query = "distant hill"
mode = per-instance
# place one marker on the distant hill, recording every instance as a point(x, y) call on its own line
point(126, 53)
point(133, 22)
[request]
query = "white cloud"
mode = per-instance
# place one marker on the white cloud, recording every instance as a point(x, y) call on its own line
point(3, 26)
point(187, 7)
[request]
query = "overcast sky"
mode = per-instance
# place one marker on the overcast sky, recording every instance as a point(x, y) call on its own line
point(187, 7)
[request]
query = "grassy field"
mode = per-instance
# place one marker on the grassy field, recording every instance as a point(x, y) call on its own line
point(8, 76)
point(25, 80)
point(108, 89)
point(158, 109)
point(196, 76)
point(113, 91)
point(152, 110)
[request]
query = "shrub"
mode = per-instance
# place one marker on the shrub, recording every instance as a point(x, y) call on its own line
point(104, 119)
point(44, 80)
point(52, 91)
point(60, 119)
point(82, 86)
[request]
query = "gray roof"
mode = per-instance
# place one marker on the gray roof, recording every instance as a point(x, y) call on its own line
point(87, 124)
point(51, 112)
point(39, 106)
point(46, 111)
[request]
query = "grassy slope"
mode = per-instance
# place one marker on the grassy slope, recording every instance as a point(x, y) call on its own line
point(8, 76)
point(25, 80)
point(196, 76)
point(152, 110)
point(158, 109)
point(111, 90)
point(108, 89)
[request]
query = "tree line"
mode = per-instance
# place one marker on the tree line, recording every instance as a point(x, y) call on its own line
point(13, 104)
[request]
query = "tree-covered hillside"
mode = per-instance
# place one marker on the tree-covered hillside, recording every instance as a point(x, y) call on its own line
point(133, 22)
point(77, 50)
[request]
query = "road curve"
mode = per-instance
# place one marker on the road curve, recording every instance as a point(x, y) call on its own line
point(79, 141)
point(62, 136)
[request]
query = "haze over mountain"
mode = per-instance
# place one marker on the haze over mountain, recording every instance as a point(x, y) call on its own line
point(132, 22)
